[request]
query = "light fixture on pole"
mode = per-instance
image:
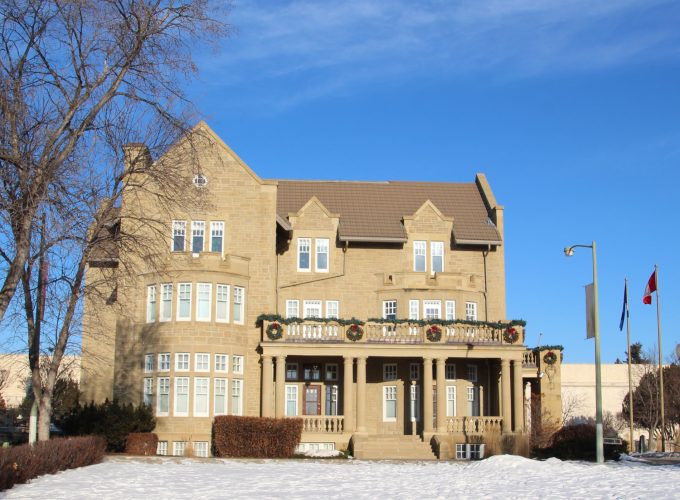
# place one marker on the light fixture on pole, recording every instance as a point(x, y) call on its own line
point(599, 437)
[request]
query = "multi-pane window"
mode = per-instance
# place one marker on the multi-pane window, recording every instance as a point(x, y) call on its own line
point(471, 311)
point(221, 362)
point(202, 362)
point(321, 255)
point(179, 231)
point(236, 397)
point(184, 302)
point(181, 397)
point(419, 251)
point(413, 309)
point(222, 303)
point(292, 309)
point(450, 371)
point(415, 402)
point(312, 309)
point(331, 400)
point(164, 362)
point(475, 451)
point(220, 396)
point(237, 364)
point(182, 362)
point(148, 391)
point(471, 393)
point(197, 235)
point(216, 236)
point(203, 293)
point(414, 371)
point(291, 371)
point(148, 363)
point(389, 371)
point(461, 451)
point(239, 294)
point(390, 403)
point(451, 401)
point(163, 402)
point(291, 400)
point(437, 254)
point(332, 309)
point(178, 448)
point(331, 371)
point(390, 309)
point(472, 373)
point(201, 449)
point(450, 310)
point(151, 304)
point(311, 372)
point(166, 302)
point(162, 448)
point(432, 309)
point(201, 395)
point(304, 254)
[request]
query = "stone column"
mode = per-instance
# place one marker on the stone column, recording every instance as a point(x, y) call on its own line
point(267, 386)
point(347, 393)
point(280, 386)
point(481, 401)
point(518, 396)
point(361, 394)
point(427, 395)
point(506, 403)
point(441, 395)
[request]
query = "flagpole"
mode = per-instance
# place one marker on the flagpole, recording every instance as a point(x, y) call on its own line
point(630, 374)
point(658, 326)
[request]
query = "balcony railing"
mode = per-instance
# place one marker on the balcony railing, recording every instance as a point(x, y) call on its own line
point(530, 359)
point(333, 424)
point(310, 331)
point(473, 426)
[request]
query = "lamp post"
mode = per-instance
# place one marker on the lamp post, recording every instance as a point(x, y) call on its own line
point(599, 441)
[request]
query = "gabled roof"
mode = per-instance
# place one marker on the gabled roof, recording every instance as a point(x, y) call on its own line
point(374, 211)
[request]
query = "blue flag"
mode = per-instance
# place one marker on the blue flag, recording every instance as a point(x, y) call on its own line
point(624, 312)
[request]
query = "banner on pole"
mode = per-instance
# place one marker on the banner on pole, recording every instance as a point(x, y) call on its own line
point(590, 312)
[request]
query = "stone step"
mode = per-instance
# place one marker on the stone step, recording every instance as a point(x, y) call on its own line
point(375, 447)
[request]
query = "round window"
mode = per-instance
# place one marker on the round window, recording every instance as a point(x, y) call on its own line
point(200, 180)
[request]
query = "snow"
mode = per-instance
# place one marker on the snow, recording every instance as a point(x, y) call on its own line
point(496, 477)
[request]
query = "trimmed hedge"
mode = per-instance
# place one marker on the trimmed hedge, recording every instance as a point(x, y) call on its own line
point(257, 437)
point(141, 443)
point(20, 464)
point(577, 442)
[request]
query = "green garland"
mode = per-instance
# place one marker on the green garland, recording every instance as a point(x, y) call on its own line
point(354, 332)
point(434, 333)
point(550, 358)
point(288, 321)
point(448, 322)
point(274, 331)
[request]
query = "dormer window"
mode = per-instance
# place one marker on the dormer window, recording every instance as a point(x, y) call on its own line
point(200, 180)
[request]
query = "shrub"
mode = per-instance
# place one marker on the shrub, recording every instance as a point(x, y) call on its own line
point(110, 420)
point(141, 443)
point(20, 464)
point(256, 436)
point(577, 442)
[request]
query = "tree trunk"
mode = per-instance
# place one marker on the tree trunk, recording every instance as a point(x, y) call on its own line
point(44, 418)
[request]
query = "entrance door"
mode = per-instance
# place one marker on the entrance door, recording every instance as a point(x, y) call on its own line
point(312, 400)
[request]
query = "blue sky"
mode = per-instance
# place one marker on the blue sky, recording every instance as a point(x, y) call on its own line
point(570, 107)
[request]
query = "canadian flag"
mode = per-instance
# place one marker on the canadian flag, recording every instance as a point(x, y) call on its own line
point(651, 287)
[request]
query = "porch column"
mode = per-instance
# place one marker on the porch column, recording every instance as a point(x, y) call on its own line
point(267, 386)
point(441, 395)
point(481, 401)
point(347, 394)
point(427, 394)
point(361, 394)
point(280, 386)
point(518, 396)
point(506, 403)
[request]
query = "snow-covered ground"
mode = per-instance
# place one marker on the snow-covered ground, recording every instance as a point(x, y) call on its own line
point(497, 477)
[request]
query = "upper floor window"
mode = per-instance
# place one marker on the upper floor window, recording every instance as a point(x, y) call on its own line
point(292, 309)
point(164, 362)
point(148, 363)
point(331, 371)
point(419, 251)
point(332, 309)
point(222, 303)
point(304, 254)
point(437, 253)
point(472, 373)
point(239, 300)
point(151, 304)
point(321, 255)
point(237, 365)
point(221, 361)
point(413, 309)
point(389, 371)
point(450, 371)
point(202, 362)
point(390, 309)
point(166, 302)
point(471, 311)
point(184, 302)
point(197, 236)
point(182, 362)
point(450, 310)
point(179, 231)
point(216, 236)
point(414, 371)
point(203, 300)
point(433, 309)
point(312, 308)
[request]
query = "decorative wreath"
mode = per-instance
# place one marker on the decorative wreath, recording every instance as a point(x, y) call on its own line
point(550, 358)
point(354, 332)
point(434, 333)
point(511, 335)
point(274, 331)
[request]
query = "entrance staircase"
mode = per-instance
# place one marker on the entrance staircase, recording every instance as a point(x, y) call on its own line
point(387, 446)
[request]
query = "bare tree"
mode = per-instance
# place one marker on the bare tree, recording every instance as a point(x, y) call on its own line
point(78, 80)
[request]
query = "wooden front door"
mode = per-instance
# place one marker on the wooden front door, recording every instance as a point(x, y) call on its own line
point(312, 400)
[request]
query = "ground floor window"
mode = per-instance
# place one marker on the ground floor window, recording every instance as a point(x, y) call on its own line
point(162, 448)
point(178, 448)
point(220, 396)
point(467, 451)
point(148, 391)
point(415, 402)
point(291, 400)
point(312, 372)
point(201, 448)
point(451, 401)
point(237, 397)
point(331, 400)
point(390, 403)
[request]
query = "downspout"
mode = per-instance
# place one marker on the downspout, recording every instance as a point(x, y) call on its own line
point(486, 302)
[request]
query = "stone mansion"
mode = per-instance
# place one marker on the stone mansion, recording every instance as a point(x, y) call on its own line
point(374, 311)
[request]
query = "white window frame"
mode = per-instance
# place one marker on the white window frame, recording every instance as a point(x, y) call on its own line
point(389, 371)
point(237, 397)
point(221, 363)
point(221, 390)
point(434, 305)
point(151, 303)
point(471, 393)
point(450, 371)
point(197, 231)
point(147, 395)
point(182, 289)
point(201, 449)
point(414, 371)
point(451, 410)
point(389, 395)
point(389, 309)
point(414, 402)
point(436, 250)
point(182, 361)
point(420, 250)
point(309, 305)
point(162, 448)
point(331, 372)
point(163, 361)
point(203, 298)
point(472, 373)
point(461, 451)
point(450, 308)
point(179, 448)
point(181, 383)
point(471, 311)
point(201, 396)
point(222, 303)
point(163, 397)
point(237, 365)
point(217, 231)
point(148, 363)
point(333, 309)
point(166, 302)
point(414, 309)
point(179, 228)
point(304, 245)
point(202, 362)
point(239, 305)
point(321, 244)
point(292, 308)
point(291, 397)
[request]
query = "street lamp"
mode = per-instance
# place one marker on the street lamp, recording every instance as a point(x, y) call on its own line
point(599, 441)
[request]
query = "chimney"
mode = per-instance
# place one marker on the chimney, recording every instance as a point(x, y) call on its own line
point(136, 156)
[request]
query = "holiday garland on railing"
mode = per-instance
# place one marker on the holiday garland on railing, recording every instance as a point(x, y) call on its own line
point(274, 331)
point(288, 321)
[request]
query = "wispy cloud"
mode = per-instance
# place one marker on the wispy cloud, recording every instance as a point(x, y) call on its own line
point(312, 48)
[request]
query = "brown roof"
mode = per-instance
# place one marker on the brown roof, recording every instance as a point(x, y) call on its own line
point(105, 252)
point(374, 211)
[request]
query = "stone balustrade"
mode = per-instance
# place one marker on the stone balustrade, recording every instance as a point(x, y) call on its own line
point(473, 426)
point(326, 424)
